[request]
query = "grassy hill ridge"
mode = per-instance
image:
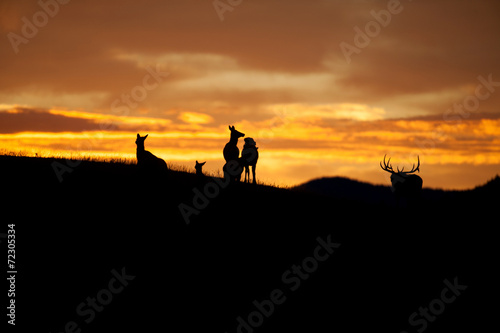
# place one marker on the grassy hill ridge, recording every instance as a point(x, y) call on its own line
point(245, 243)
point(341, 187)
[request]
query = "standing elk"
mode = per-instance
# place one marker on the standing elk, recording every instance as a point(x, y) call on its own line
point(231, 151)
point(249, 157)
point(405, 184)
point(234, 165)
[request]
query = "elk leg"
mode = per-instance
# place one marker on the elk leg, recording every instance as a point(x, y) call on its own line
point(253, 172)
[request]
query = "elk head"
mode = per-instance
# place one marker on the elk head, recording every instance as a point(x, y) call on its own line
point(404, 183)
point(198, 167)
point(235, 134)
point(140, 141)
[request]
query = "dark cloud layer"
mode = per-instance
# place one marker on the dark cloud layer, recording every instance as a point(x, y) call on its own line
point(30, 120)
point(429, 46)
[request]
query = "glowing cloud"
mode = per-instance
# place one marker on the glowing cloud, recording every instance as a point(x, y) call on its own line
point(195, 118)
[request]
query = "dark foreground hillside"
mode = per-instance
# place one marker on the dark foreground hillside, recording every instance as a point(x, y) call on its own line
point(108, 249)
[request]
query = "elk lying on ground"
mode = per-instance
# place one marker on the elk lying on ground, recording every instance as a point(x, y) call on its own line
point(200, 177)
point(146, 160)
point(199, 169)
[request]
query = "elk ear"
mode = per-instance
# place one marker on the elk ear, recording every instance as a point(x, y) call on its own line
point(202, 164)
point(138, 136)
point(146, 136)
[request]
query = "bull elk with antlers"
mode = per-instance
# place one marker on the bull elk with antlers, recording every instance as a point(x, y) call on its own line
point(404, 183)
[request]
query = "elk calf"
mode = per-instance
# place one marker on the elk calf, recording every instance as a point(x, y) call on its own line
point(200, 177)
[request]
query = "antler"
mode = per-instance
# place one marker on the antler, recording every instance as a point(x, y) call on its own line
point(413, 169)
point(387, 166)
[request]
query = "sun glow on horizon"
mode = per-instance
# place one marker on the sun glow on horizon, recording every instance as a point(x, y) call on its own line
point(294, 145)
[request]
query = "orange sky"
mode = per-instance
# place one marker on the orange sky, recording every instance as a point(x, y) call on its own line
point(325, 87)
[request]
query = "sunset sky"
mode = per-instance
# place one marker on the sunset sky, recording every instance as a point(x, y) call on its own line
point(326, 88)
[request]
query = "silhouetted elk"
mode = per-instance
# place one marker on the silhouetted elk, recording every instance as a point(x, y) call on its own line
point(146, 160)
point(249, 157)
point(404, 183)
point(198, 167)
point(231, 151)
point(200, 177)
point(234, 165)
